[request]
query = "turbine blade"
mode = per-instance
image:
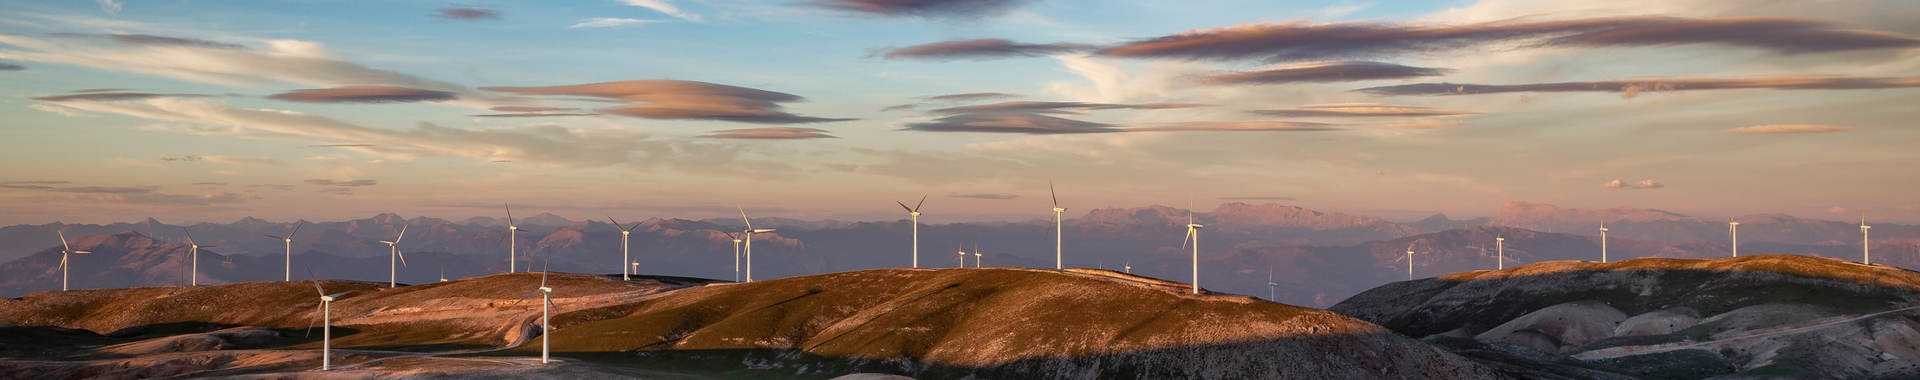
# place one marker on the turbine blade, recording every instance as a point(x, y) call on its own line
point(316, 282)
point(923, 202)
point(337, 295)
point(403, 233)
point(63, 241)
point(509, 214)
point(743, 217)
point(903, 205)
point(1183, 241)
point(543, 272)
point(616, 223)
point(1050, 193)
point(315, 317)
point(551, 308)
point(189, 235)
point(296, 228)
point(79, 252)
point(524, 298)
point(63, 260)
point(401, 255)
point(276, 237)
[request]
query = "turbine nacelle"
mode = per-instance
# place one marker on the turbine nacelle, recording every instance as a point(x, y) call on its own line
point(1057, 210)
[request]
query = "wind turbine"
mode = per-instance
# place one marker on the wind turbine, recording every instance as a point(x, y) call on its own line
point(1603, 242)
point(1733, 231)
point(1270, 284)
point(193, 254)
point(394, 248)
point(1193, 235)
point(1409, 262)
point(914, 213)
point(1057, 210)
point(64, 252)
point(1866, 256)
point(624, 231)
point(443, 267)
point(636, 266)
point(288, 274)
point(963, 254)
point(325, 311)
point(513, 233)
point(546, 309)
point(1128, 266)
point(1500, 248)
point(749, 232)
point(976, 255)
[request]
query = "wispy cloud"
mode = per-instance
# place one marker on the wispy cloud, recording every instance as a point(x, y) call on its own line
point(1357, 110)
point(11, 67)
point(979, 49)
point(1645, 184)
point(1058, 107)
point(349, 183)
point(1629, 88)
point(610, 22)
point(1325, 71)
point(1237, 126)
point(682, 100)
point(363, 94)
point(664, 7)
point(777, 133)
point(1771, 129)
point(277, 62)
point(920, 8)
point(466, 14)
point(112, 96)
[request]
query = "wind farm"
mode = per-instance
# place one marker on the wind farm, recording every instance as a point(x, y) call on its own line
point(1348, 169)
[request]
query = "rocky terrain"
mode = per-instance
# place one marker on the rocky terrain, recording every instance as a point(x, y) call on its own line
point(1770, 315)
point(947, 323)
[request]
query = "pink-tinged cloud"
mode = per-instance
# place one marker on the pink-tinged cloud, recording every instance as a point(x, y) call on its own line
point(531, 109)
point(1298, 41)
point(981, 48)
point(970, 96)
point(535, 114)
point(1237, 126)
point(776, 133)
point(112, 96)
point(1326, 71)
point(153, 40)
point(1429, 124)
point(349, 183)
point(1632, 87)
point(364, 94)
point(1775, 129)
point(920, 8)
point(1357, 110)
point(466, 14)
point(1010, 122)
point(1645, 184)
point(1058, 107)
point(682, 100)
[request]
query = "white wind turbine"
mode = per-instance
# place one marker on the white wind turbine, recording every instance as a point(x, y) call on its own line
point(749, 232)
point(288, 274)
point(513, 233)
point(325, 313)
point(546, 309)
point(1866, 256)
point(1733, 233)
point(1500, 248)
point(1128, 266)
point(1603, 242)
point(1058, 264)
point(193, 254)
point(914, 214)
point(64, 252)
point(963, 254)
point(1270, 284)
point(624, 231)
point(976, 255)
point(393, 247)
point(1193, 235)
point(1409, 262)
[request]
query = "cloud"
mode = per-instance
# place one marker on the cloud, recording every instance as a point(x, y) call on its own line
point(58, 110)
point(993, 196)
point(188, 158)
point(1629, 88)
point(1298, 41)
point(1771, 129)
point(1258, 198)
point(971, 96)
point(664, 7)
point(609, 22)
point(11, 67)
point(900, 107)
point(1009, 122)
point(1837, 210)
point(346, 183)
point(109, 6)
point(1237, 126)
point(683, 100)
point(466, 14)
point(363, 94)
point(534, 114)
point(531, 109)
point(31, 185)
point(340, 145)
point(1645, 184)
point(338, 190)
point(920, 8)
point(1429, 124)
point(112, 96)
point(218, 63)
point(981, 48)
point(1325, 71)
point(1357, 110)
point(777, 133)
point(1057, 107)
point(209, 184)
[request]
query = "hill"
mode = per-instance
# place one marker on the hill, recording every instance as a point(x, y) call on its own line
point(1787, 315)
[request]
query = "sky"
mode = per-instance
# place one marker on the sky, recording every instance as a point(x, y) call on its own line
point(834, 109)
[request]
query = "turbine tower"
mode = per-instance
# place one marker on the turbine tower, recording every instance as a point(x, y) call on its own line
point(513, 233)
point(546, 309)
point(288, 274)
point(1409, 262)
point(1603, 242)
point(1866, 255)
point(749, 232)
point(1193, 235)
point(1500, 248)
point(393, 247)
point(1058, 264)
point(914, 214)
point(624, 231)
point(64, 252)
point(325, 312)
point(193, 254)
point(1733, 232)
